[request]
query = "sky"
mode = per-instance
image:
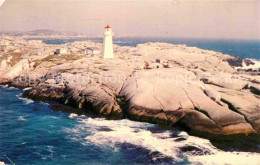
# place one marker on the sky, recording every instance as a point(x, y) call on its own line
point(229, 19)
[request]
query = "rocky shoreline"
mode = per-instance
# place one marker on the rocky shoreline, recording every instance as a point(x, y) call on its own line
point(159, 83)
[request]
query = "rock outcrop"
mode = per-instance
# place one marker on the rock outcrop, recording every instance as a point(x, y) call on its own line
point(154, 82)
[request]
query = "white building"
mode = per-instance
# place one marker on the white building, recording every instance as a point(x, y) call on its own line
point(61, 51)
point(92, 51)
point(108, 43)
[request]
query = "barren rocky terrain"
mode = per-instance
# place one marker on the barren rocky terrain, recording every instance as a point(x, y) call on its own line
point(161, 83)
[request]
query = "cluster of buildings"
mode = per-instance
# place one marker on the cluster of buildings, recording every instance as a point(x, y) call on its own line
point(29, 48)
point(87, 51)
point(107, 46)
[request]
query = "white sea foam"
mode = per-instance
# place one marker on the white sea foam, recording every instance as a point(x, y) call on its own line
point(50, 149)
point(21, 118)
point(26, 89)
point(26, 101)
point(73, 115)
point(236, 158)
point(138, 134)
point(254, 67)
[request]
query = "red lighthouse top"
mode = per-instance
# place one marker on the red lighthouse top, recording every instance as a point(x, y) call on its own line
point(107, 27)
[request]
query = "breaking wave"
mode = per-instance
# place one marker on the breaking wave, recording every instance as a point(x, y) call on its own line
point(25, 100)
point(174, 146)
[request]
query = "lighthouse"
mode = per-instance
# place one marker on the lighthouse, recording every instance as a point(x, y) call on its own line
point(108, 43)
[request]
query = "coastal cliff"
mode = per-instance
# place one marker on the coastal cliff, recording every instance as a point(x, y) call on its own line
point(160, 83)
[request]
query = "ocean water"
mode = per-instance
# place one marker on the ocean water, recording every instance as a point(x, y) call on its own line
point(240, 48)
point(32, 133)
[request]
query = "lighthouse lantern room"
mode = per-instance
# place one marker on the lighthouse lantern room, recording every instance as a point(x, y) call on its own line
point(108, 43)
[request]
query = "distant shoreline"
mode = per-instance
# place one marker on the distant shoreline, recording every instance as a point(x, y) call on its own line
point(246, 49)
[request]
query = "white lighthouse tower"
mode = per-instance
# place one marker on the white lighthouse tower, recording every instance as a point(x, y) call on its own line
point(108, 43)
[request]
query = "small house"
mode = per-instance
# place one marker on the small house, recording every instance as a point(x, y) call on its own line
point(61, 51)
point(92, 51)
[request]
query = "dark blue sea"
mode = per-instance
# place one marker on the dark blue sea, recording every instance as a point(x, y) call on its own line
point(32, 133)
point(240, 48)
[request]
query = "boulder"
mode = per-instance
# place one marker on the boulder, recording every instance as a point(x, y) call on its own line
point(163, 100)
point(22, 66)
